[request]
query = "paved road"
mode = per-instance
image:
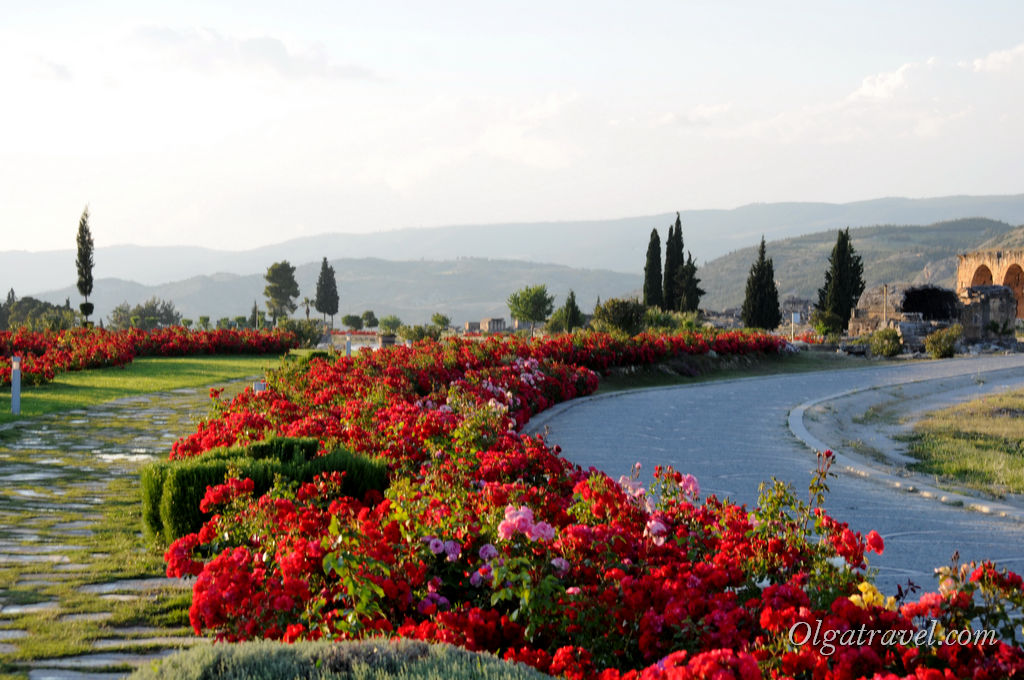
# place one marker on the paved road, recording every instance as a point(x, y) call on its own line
point(732, 435)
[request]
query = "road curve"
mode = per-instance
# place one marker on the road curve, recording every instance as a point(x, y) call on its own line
point(734, 434)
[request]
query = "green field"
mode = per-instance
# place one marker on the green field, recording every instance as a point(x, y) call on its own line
point(146, 375)
point(979, 444)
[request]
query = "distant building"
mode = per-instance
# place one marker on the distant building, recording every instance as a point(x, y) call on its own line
point(492, 325)
point(472, 326)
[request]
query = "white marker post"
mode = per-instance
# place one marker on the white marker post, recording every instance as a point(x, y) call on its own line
point(259, 386)
point(348, 347)
point(16, 385)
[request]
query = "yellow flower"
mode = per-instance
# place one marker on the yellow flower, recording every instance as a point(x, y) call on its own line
point(870, 597)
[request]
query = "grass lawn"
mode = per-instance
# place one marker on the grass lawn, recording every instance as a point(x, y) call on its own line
point(145, 375)
point(979, 444)
point(702, 369)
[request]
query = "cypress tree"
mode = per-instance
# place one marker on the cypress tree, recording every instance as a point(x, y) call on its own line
point(84, 262)
point(689, 290)
point(761, 304)
point(844, 282)
point(326, 300)
point(673, 263)
point(652, 272)
point(571, 313)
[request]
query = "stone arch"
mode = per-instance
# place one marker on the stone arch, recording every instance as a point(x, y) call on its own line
point(1014, 280)
point(982, 276)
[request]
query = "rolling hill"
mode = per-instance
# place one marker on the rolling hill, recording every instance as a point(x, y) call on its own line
point(918, 254)
point(617, 245)
point(463, 289)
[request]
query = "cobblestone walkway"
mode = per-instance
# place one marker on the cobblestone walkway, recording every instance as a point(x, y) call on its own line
point(734, 434)
point(63, 479)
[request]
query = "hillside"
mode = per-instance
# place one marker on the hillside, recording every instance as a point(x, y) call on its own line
point(463, 289)
point(890, 253)
point(617, 245)
point(1011, 240)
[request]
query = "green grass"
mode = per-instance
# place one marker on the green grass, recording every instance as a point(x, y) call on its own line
point(979, 444)
point(146, 375)
point(703, 369)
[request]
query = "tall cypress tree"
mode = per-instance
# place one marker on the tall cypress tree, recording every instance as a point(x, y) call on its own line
point(84, 262)
point(326, 300)
point(761, 304)
point(671, 293)
point(689, 290)
point(844, 282)
point(652, 272)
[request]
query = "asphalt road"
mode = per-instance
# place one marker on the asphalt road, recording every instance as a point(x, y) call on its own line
point(732, 435)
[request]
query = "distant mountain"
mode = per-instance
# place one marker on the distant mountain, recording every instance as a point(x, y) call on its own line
point(617, 245)
point(890, 253)
point(463, 289)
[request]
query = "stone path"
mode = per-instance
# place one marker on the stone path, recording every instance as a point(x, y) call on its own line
point(732, 435)
point(59, 476)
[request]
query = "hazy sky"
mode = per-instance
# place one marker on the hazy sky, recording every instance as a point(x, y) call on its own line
point(237, 124)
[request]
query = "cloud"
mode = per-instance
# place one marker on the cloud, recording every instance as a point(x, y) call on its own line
point(999, 61)
point(52, 70)
point(207, 50)
point(883, 86)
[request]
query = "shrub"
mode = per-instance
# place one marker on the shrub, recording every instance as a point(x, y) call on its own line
point(886, 343)
point(308, 331)
point(172, 490)
point(416, 333)
point(364, 660)
point(942, 343)
point(826, 324)
point(625, 316)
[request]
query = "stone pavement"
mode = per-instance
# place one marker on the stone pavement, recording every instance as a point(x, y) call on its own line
point(54, 486)
point(734, 434)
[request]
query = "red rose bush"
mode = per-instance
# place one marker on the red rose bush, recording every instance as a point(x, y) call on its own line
point(44, 354)
point(487, 538)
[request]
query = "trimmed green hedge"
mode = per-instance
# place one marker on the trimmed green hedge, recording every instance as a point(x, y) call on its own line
point(364, 660)
point(172, 490)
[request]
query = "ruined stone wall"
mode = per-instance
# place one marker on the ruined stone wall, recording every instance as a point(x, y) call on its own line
point(993, 267)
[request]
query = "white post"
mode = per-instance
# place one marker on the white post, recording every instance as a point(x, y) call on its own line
point(348, 347)
point(259, 386)
point(16, 385)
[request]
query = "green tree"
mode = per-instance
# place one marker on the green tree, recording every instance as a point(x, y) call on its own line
point(306, 302)
point(624, 316)
point(353, 321)
point(761, 304)
point(389, 324)
point(653, 292)
point(254, 316)
point(326, 300)
point(674, 262)
point(532, 304)
point(281, 290)
point(84, 262)
point(844, 282)
point(440, 320)
point(572, 317)
point(689, 289)
point(369, 319)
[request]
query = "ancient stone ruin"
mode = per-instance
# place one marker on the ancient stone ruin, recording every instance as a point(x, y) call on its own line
point(993, 267)
point(987, 313)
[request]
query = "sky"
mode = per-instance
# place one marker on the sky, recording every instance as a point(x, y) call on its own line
point(241, 124)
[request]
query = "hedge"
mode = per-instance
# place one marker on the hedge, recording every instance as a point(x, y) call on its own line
point(364, 660)
point(172, 490)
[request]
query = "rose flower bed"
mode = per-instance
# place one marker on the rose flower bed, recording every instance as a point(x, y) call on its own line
point(47, 353)
point(488, 539)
